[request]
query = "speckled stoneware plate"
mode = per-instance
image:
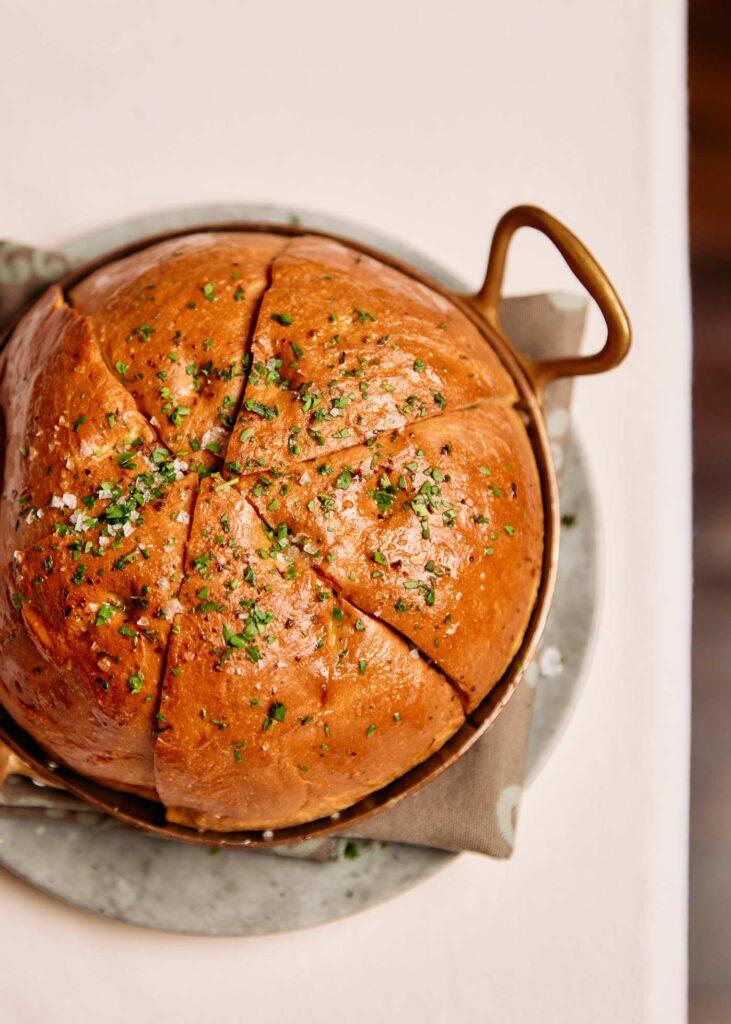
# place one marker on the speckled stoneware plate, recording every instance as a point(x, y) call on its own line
point(133, 877)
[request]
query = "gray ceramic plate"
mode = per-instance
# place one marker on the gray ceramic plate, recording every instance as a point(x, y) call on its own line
point(124, 874)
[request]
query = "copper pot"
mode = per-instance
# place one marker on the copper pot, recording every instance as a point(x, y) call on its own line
point(531, 377)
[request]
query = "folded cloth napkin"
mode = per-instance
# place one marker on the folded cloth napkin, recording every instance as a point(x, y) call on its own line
point(23, 272)
point(474, 804)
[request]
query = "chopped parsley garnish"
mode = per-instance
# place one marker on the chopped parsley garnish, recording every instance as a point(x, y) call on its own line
point(202, 562)
point(363, 315)
point(144, 332)
point(176, 413)
point(267, 412)
point(105, 614)
point(344, 479)
point(136, 681)
point(384, 495)
point(277, 713)
point(255, 626)
point(124, 560)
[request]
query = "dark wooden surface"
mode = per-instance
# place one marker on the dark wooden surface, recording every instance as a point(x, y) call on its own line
point(710, 209)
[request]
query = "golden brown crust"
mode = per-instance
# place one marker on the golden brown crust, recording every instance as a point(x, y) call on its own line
point(85, 491)
point(281, 702)
point(100, 615)
point(346, 347)
point(67, 421)
point(286, 688)
point(173, 323)
point(436, 529)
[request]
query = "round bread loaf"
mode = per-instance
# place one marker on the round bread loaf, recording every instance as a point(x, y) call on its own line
point(271, 526)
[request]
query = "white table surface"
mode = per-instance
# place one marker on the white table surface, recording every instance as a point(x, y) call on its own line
point(425, 120)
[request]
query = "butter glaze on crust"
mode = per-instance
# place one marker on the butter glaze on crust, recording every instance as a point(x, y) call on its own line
point(102, 618)
point(282, 702)
point(346, 347)
point(86, 491)
point(365, 548)
point(173, 322)
point(66, 418)
point(436, 529)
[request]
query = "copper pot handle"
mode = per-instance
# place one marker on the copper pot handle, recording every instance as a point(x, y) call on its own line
point(588, 272)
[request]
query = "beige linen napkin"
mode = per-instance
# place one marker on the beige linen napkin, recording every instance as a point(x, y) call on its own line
point(474, 804)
